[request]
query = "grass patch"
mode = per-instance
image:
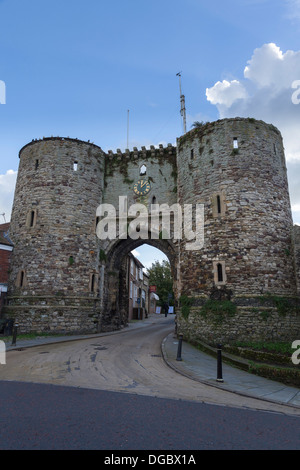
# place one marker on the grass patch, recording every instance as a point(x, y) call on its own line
point(273, 347)
point(29, 336)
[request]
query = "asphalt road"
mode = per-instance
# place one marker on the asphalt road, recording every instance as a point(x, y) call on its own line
point(115, 392)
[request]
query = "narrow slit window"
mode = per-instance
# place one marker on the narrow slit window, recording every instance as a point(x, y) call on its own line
point(36, 164)
point(220, 272)
point(32, 219)
point(75, 166)
point(21, 279)
point(154, 200)
point(22, 275)
point(235, 143)
point(192, 154)
point(219, 209)
point(93, 283)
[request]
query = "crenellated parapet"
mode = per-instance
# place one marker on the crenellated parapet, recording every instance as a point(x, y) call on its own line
point(144, 153)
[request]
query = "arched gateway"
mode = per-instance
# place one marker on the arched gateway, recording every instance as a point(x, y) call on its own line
point(231, 243)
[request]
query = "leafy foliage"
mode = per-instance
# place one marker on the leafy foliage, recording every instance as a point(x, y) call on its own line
point(161, 277)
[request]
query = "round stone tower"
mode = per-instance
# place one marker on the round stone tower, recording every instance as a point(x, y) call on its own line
point(54, 279)
point(236, 169)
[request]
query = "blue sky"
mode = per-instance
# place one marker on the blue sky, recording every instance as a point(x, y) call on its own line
point(74, 68)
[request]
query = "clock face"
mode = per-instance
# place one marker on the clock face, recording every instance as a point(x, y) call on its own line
point(142, 187)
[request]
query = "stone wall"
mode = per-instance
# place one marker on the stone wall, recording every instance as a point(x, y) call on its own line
point(53, 227)
point(250, 236)
point(257, 318)
point(64, 278)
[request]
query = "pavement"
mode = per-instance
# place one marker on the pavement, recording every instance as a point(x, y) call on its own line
point(196, 365)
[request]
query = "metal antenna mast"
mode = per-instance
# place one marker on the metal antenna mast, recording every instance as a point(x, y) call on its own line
point(127, 128)
point(182, 104)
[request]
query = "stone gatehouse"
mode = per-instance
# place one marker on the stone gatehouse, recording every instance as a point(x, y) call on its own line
point(242, 283)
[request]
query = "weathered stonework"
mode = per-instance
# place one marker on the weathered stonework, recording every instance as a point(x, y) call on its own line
point(63, 278)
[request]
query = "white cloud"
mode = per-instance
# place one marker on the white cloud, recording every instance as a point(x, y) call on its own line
point(7, 188)
point(265, 92)
point(226, 93)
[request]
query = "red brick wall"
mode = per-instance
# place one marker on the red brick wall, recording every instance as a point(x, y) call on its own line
point(4, 265)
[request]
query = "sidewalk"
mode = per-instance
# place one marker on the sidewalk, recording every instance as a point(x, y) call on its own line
point(203, 367)
point(195, 365)
point(41, 340)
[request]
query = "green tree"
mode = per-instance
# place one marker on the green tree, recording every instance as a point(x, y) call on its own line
point(160, 276)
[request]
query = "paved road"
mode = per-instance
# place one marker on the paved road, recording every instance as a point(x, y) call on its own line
point(42, 416)
point(115, 392)
point(128, 362)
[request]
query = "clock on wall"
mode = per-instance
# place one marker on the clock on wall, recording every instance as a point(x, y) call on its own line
point(142, 187)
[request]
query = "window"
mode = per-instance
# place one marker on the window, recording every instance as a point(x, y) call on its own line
point(143, 170)
point(130, 290)
point(97, 220)
point(36, 164)
point(192, 154)
point(93, 284)
point(75, 166)
point(153, 200)
point(235, 143)
point(219, 204)
point(31, 218)
point(131, 266)
point(21, 279)
point(219, 272)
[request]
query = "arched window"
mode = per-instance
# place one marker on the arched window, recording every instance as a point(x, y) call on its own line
point(31, 218)
point(219, 272)
point(93, 284)
point(143, 170)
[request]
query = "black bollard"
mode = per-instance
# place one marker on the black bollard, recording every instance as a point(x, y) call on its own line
point(219, 364)
point(14, 338)
point(178, 358)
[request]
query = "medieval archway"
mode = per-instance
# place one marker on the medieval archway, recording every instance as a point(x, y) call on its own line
point(116, 290)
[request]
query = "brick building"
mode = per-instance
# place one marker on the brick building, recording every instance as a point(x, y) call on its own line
point(138, 289)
